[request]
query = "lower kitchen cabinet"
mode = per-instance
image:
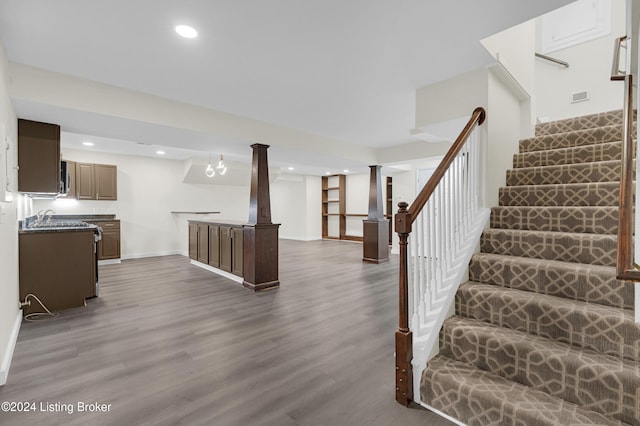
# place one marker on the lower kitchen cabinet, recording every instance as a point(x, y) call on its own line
point(60, 278)
point(218, 245)
point(109, 245)
point(203, 243)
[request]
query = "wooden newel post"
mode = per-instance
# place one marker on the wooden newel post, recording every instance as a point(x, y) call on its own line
point(404, 337)
point(375, 232)
point(260, 239)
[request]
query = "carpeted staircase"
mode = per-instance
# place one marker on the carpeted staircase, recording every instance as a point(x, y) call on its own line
point(543, 333)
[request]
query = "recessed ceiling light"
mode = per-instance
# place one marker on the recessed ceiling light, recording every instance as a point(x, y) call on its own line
point(87, 143)
point(345, 171)
point(290, 168)
point(160, 152)
point(327, 173)
point(186, 31)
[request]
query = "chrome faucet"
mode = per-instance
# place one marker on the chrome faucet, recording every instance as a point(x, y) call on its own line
point(42, 214)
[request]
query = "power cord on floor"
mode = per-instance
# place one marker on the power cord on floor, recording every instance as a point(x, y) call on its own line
point(37, 316)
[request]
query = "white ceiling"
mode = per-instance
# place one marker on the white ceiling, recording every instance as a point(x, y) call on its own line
point(344, 69)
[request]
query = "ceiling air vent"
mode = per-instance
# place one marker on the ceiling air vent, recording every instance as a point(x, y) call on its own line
point(580, 97)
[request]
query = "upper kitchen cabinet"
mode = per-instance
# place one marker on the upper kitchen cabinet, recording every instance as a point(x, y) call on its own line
point(38, 157)
point(96, 181)
point(106, 182)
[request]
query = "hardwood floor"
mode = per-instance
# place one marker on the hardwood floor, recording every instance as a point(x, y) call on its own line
point(170, 343)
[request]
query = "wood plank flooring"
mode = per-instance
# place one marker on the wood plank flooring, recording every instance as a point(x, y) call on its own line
point(168, 343)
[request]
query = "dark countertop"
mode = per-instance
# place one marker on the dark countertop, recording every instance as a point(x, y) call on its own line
point(91, 228)
point(84, 217)
point(220, 222)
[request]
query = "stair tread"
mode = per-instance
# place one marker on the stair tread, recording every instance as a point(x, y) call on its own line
point(592, 380)
point(595, 171)
point(581, 137)
point(585, 219)
point(586, 121)
point(571, 321)
point(491, 399)
point(607, 151)
point(571, 194)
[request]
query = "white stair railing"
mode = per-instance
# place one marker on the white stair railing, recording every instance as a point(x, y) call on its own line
point(448, 219)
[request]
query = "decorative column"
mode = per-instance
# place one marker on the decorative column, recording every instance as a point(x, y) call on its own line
point(260, 242)
point(376, 226)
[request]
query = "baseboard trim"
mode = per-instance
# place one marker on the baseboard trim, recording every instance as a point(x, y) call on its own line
point(441, 414)
point(8, 354)
point(220, 272)
point(109, 262)
point(151, 254)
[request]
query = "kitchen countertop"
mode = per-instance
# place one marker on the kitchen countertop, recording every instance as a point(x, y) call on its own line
point(84, 217)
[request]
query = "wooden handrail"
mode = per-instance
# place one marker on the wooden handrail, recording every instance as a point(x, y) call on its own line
point(403, 220)
point(477, 118)
point(625, 266)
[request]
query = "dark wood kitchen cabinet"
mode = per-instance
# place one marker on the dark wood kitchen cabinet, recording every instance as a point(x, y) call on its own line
point(109, 245)
point(85, 187)
point(38, 157)
point(96, 181)
point(61, 279)
point(217, 244)
point(214, 246)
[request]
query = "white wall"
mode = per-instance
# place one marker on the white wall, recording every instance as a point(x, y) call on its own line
point(9, 295)
point(296, 203)
point(589, 69)
point(148, 190)
point(357, 202)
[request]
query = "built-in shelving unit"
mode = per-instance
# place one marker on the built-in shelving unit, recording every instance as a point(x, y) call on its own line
point(389, 206)
point(334, 217)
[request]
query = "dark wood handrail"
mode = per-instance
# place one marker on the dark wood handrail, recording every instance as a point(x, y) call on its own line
point(477, 118)
point(403, 220)
point(625, 267)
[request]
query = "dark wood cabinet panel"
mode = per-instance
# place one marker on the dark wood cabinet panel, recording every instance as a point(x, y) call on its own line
point(96, 181)
point(60, 278)
point(225, 248)
point(214, 246)
point(85, 188)
point(203, 243)
point(193, 241)
point(218, 245)
point(237, 253)
point(109, 245)
point(38, 157)
point(106, 181)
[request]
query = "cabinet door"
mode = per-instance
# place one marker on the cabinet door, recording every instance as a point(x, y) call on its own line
point(237, 254)
point(193, 241)
point(38, 157)
point(214, 246)
point(109, 247)
point(225, 248)
point(106, 182)
point(203, 243)
point(85, 188)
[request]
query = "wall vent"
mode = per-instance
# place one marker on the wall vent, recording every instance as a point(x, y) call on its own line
point(580, 97)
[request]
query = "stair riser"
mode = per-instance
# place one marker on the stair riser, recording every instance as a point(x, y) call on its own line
point(573, 282)
point(578, 248)
point(591, 220)
point(610, 118)
point(471, 395)
point(595, 329)
point(597, 383)
point(572, 139)
point(579, 155)
point(579, 173)
point(592, 194)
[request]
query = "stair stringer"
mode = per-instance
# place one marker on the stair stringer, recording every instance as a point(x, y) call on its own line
point(426, 329)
